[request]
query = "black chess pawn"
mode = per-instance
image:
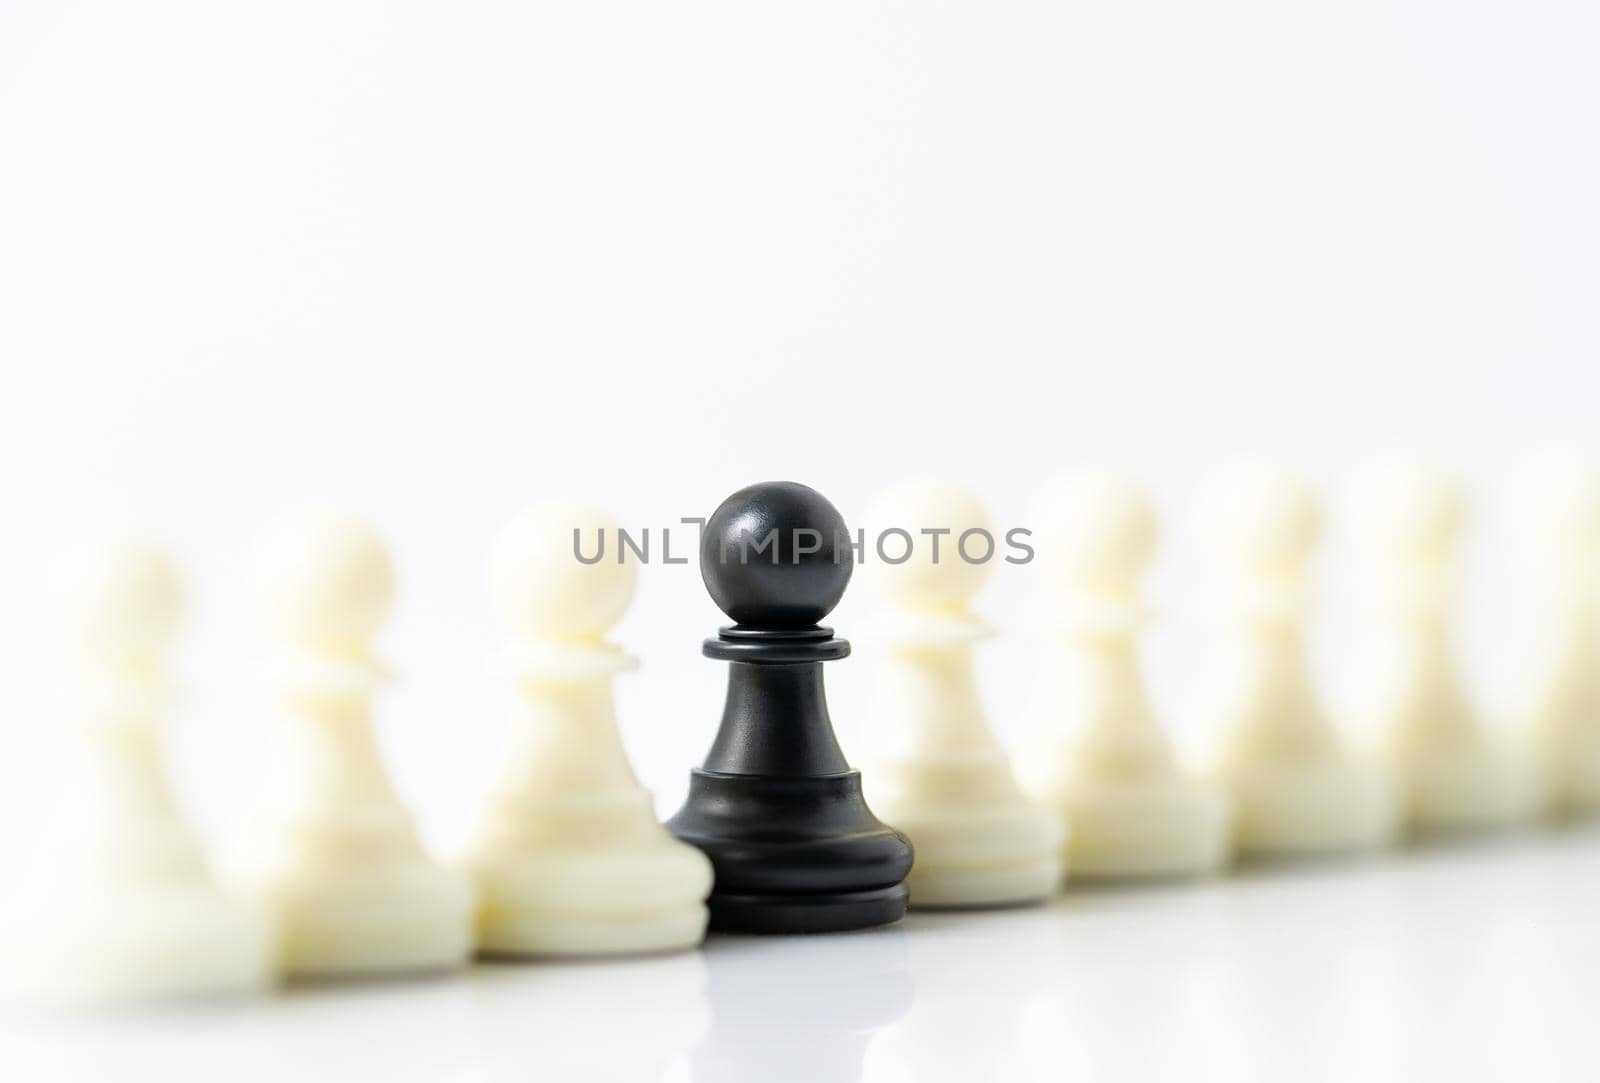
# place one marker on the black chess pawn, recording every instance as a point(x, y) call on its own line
point(776, 806)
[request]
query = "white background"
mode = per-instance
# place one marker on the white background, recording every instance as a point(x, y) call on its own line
point(435, 261)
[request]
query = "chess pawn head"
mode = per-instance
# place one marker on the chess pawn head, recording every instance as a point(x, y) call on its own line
point(542, 584)
point(324, 583)
point(1098, 535)
point(1410, 517)
point(112, 598)
point(950, 546)
point(1267, 522)
point(1410, 512)
point(776, 556)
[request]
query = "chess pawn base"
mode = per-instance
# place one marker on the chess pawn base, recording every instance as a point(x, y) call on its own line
point(1565, 738)
point(555, 935)
point(349, 886)
point(949, 871)
point(1145, 828)
point(776, 806)
point(978, 841)
point(976, 889)
point(1310, 806)
point(335, 857)
point(116, 901)
point(1571, 783)
point(1101, 762)
point(1470, 786)
point(807, 911)
point(398, 917)
point(139, 943)
point(1129, 810)
point(640, 892)
point(796, 854)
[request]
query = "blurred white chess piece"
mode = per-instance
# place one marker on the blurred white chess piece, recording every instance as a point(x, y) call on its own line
point(1558, 505)
point(1455, 772)
point(1295, 787)
point(1096, 752)
point(115, 900)
point(569, 856)
point(329, 848)
point(935, 771)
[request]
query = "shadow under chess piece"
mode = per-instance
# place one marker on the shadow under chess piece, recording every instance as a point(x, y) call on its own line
point(330, 848)
point(776, 806)
point(1096, 751)
point(117, 902)
point(936, 770)
point(569, 857)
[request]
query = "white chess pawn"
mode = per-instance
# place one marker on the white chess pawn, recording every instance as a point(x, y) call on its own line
point(1559, 501)
point(935, 771)
point(330, 849)
point(569, 856)
point(116, 899)
point(1096, 752)
point(1455, 772)
point(1295, 787)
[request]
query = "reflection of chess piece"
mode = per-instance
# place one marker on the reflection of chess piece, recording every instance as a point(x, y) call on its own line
point(1132, 976)
point(938, 774)
point(776, 806)
point(629, 1021)
point(1456, 773)
point(116, 901)
point(1559, 513)
point(1295, 788)
point(1096, 752)
point(817, 1020)
point(569, 857)
point(332, 851)
point(960, 1029)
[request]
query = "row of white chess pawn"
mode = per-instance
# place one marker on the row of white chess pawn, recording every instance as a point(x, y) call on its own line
point(119, 901)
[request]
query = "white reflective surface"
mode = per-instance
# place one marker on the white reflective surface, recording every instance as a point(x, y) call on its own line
point(1471, 962)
